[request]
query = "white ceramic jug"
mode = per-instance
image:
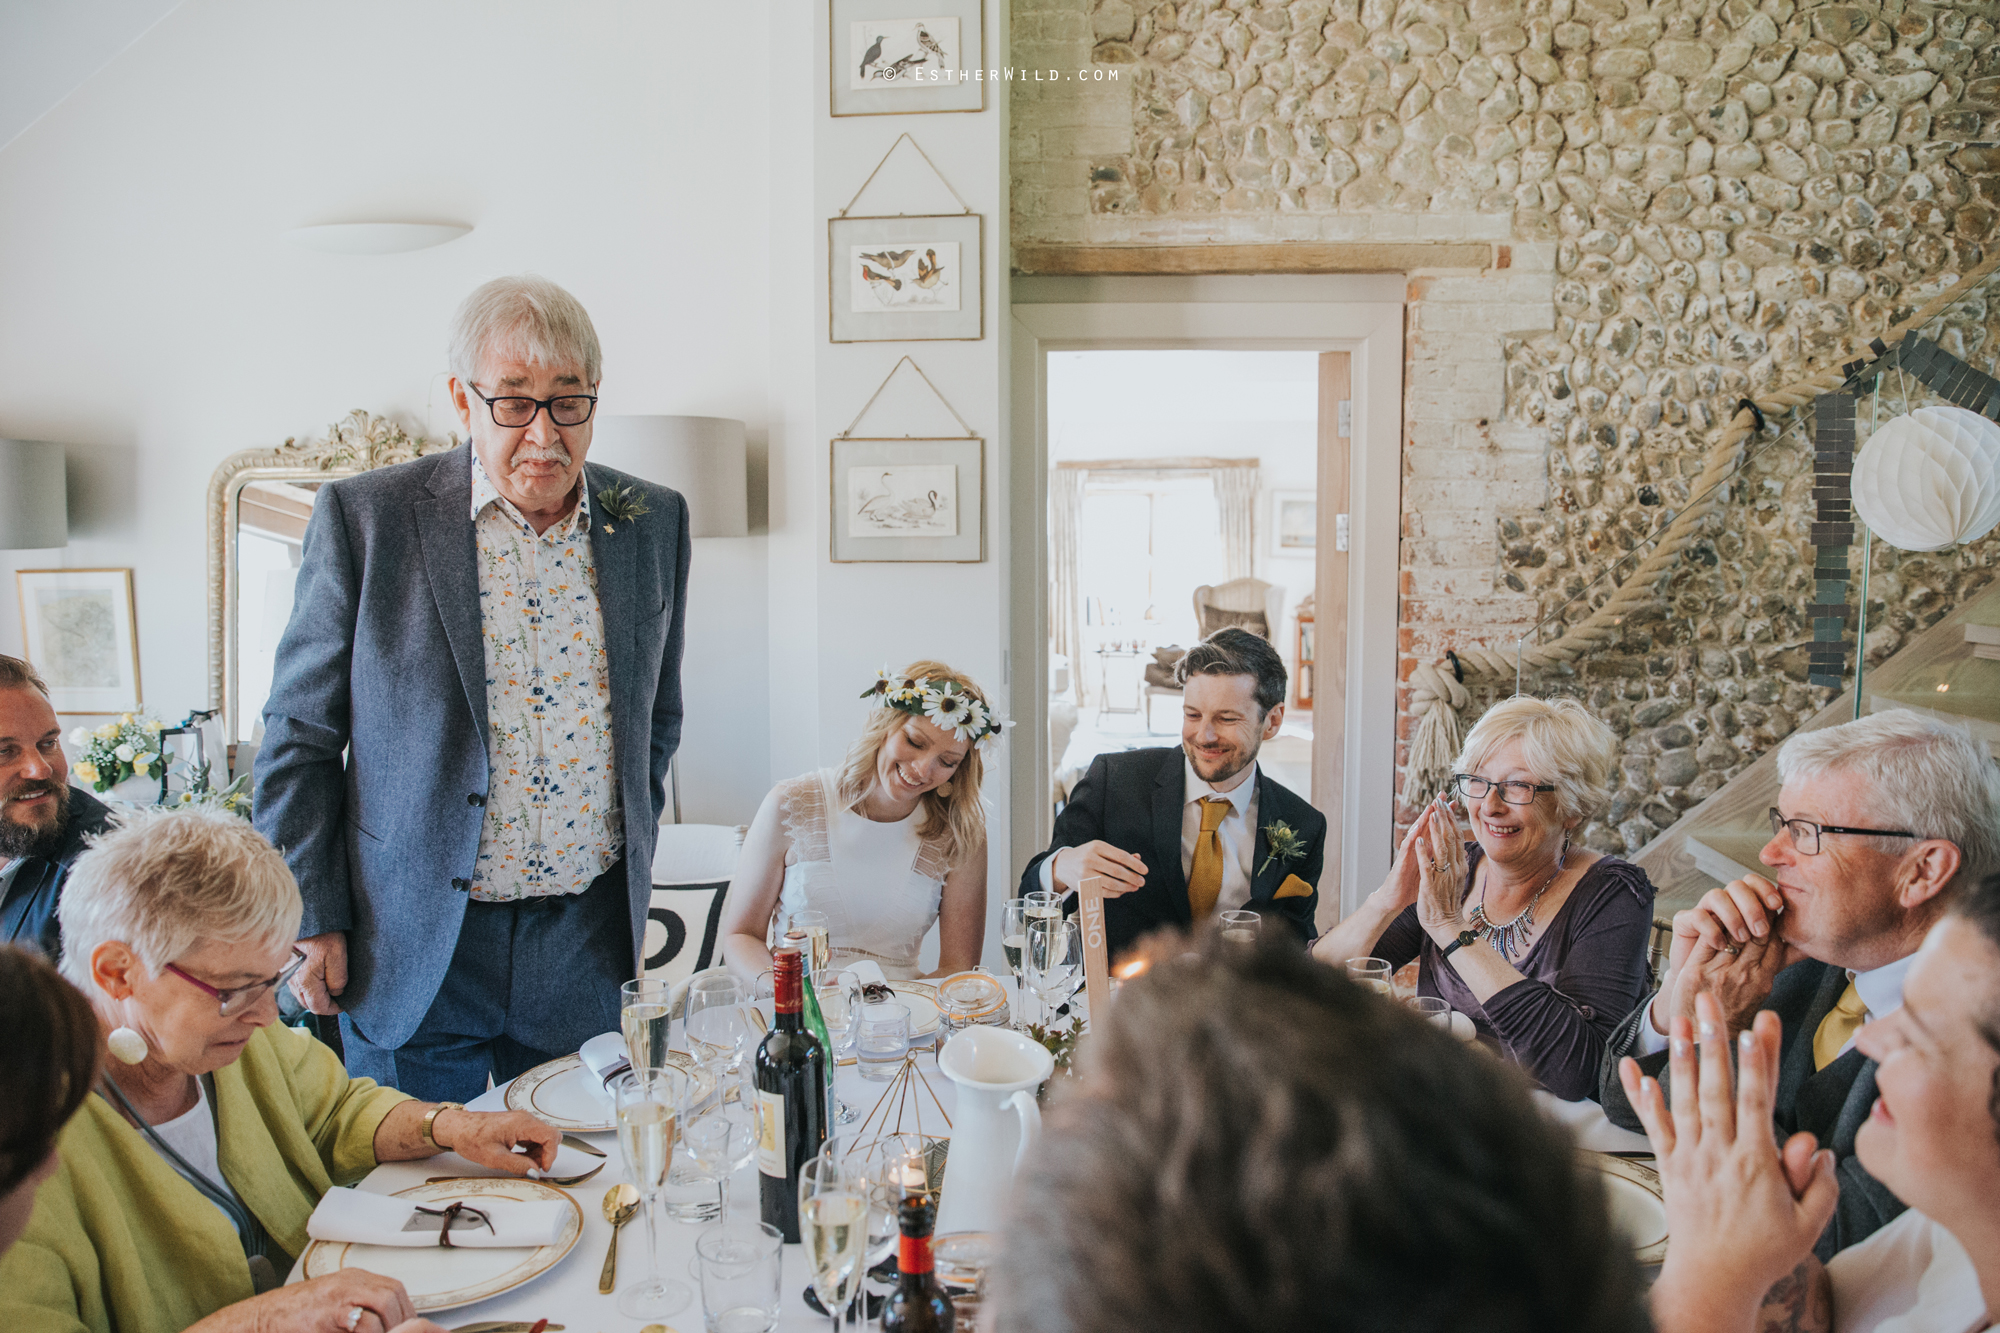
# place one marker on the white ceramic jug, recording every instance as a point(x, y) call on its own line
point(995, 1124)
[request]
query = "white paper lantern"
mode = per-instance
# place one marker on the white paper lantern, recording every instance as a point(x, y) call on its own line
point(1930, 479)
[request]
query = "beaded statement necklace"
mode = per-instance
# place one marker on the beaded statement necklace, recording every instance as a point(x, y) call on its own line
point(1511, 937)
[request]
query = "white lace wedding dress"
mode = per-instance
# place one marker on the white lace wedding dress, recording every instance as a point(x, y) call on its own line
point(878, 884)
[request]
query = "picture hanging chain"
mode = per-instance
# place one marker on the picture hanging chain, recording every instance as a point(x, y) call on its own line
point(849, 432)
point(963, 206)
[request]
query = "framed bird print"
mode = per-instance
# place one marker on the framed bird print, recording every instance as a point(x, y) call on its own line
point(906, 279)
point(897, 57)
point(903, 500)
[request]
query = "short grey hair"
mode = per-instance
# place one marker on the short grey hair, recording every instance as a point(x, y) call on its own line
point(1565, 745)
point(529, 317)
point(1929, 776)
point(165, 881)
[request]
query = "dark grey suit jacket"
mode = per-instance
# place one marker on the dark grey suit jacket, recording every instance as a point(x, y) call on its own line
point(1133, 801)
point(1829, 1104)
point(373, 773)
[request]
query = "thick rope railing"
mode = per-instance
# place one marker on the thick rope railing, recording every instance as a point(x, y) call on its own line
point(1436, 690)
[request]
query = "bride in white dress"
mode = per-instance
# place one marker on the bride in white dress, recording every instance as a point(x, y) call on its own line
point(885, 846)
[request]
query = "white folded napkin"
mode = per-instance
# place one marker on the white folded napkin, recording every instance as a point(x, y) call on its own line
point(868, 972)
point(379, 1219)
point(605, 1058)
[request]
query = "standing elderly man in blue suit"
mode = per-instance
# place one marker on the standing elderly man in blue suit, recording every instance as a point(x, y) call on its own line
point(471, 718)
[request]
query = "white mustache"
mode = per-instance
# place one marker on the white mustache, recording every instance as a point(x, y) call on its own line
point(554, 454)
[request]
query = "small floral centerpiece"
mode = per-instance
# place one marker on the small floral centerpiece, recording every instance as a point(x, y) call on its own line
point(117, 751)
point(201, 791)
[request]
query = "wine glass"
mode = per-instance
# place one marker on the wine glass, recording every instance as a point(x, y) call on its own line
point(1053, 955)
point(839, 1002)
point(650, 1102)
point(1040, 905)
point(833, 1222)
point(878, 1163)
point(717, 1019)
point(721, 1136)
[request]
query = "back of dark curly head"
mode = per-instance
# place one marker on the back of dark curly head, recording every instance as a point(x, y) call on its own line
point(50, 1062)
point(1258, 1143)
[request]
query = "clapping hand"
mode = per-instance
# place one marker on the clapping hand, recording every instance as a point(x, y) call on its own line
point(1742, 1212)
point(1439, 854)
point(1727, 946)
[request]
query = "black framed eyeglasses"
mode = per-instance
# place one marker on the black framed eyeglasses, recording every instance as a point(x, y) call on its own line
point(1805, 833)
point(1474, 788)
point(513, 412)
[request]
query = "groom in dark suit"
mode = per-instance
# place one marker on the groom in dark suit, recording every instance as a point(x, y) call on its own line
point(471, 719)
point(1178, 834)
point(1877, 823)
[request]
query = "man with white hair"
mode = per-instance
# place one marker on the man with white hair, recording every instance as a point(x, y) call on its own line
point(471, 718)
point(1877, 824)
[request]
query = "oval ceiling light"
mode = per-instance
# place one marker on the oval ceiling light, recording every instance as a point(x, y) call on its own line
point(377, 238)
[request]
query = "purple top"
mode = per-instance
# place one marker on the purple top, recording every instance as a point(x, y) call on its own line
point(1584, 971)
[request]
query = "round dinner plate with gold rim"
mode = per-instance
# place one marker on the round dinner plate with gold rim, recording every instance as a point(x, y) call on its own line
point(444, 1279)
point(1638, 1206)
point(558, 1093)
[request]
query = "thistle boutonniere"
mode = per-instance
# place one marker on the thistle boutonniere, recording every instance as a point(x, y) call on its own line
point(1285, 844)
point(623, 503)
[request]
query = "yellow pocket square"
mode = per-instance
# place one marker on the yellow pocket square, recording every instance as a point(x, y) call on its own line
point(1294, 887)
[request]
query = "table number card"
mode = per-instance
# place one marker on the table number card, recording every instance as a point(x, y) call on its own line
point(1096, 960)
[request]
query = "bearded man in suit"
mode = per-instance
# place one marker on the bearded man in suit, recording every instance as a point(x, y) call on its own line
point(471, 719)
point(1177, 834)
point(1878, 822)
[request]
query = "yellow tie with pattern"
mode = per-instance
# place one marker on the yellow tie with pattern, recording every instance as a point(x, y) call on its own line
point(1841, 1023)
point(1205, 874)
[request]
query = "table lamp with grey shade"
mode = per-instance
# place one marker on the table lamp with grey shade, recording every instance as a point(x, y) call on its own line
point(34, 499)
point(701, 457)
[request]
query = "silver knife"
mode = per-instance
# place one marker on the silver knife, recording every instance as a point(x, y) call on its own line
point(506, 1326)
point(578, 1144)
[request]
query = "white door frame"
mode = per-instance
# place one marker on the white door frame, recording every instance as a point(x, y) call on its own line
point(1371, 330)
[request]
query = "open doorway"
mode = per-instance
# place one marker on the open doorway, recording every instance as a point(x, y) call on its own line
point(1183, 488)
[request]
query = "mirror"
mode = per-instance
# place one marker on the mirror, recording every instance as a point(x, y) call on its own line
point(259, 502)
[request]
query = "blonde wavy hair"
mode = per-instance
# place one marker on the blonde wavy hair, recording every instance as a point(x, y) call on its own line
point(957, 823)
point(1563, 743)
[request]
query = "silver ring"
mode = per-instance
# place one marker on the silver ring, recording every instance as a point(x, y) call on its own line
point(354, 1317)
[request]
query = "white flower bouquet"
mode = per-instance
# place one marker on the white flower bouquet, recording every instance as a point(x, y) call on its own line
point(116, 751)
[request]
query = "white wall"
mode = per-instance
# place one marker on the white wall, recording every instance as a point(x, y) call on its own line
point(154, 317)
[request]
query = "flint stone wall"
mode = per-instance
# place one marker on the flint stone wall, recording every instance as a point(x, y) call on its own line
point(1689, 202)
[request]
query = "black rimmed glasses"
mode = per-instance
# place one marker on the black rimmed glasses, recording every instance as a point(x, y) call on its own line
point(1805, 833)
point(239, 998)
point(569, 409)
point(1474, 788)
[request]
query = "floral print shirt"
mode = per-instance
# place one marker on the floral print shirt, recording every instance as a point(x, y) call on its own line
point(552, 811)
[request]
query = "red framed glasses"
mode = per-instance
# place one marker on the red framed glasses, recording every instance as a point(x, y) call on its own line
point(239, 998)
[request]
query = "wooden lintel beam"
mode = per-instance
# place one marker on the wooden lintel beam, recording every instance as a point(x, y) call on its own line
point(1303, 257)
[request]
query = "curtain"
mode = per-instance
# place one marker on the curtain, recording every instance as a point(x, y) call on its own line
point(1065, 518)
point(1236, 503)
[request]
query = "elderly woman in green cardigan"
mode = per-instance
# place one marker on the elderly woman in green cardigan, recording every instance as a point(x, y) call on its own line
point(183, 1185)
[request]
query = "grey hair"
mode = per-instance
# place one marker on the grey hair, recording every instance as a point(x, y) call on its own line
point(531, 318)
point(1929, 776)
point(165, 881)
point(1565, 745)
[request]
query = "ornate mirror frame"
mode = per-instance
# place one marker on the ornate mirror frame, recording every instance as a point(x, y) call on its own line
point(359, 442)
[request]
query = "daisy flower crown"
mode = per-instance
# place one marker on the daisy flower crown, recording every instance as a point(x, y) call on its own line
point(944, 703)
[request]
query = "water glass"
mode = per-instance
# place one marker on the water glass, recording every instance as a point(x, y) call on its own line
point(1373, 973)
point(1241, 927)
point(1432, 1009)
point(650, 1103)
point(718, 1020)
point(741, 1264)
point(645, 1016)
point(881, 1039)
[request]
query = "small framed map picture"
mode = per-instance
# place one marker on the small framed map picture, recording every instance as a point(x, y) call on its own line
point(905, 279)
point(896, 500)
point(78, 628)
point(896, 57)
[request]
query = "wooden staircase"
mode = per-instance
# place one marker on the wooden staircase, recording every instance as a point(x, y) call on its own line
point(1941, 671)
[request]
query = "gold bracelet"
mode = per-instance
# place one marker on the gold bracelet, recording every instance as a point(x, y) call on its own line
point(430, 1118)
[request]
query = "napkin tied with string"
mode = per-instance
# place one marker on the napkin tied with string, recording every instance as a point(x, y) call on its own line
point(358, 1218)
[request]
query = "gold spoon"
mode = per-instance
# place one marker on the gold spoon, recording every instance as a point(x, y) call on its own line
point(621, 1205)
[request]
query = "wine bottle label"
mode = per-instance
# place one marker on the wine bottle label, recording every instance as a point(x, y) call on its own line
point(914, 1255)
point(771, 1143)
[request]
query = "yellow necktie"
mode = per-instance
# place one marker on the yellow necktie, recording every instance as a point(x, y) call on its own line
point(1205, 874)
point(1841, 1022)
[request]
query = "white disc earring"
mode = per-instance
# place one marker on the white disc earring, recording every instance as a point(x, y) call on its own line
point(127, 1045)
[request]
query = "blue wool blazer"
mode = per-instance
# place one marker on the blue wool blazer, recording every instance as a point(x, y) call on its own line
point(373, 773)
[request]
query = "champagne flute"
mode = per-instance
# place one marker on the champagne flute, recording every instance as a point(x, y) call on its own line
point(718, 1021)
point(722, 1136)
point(650, 1102)
point(645, 1017)
point(833, 1222)
point(819, 936)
